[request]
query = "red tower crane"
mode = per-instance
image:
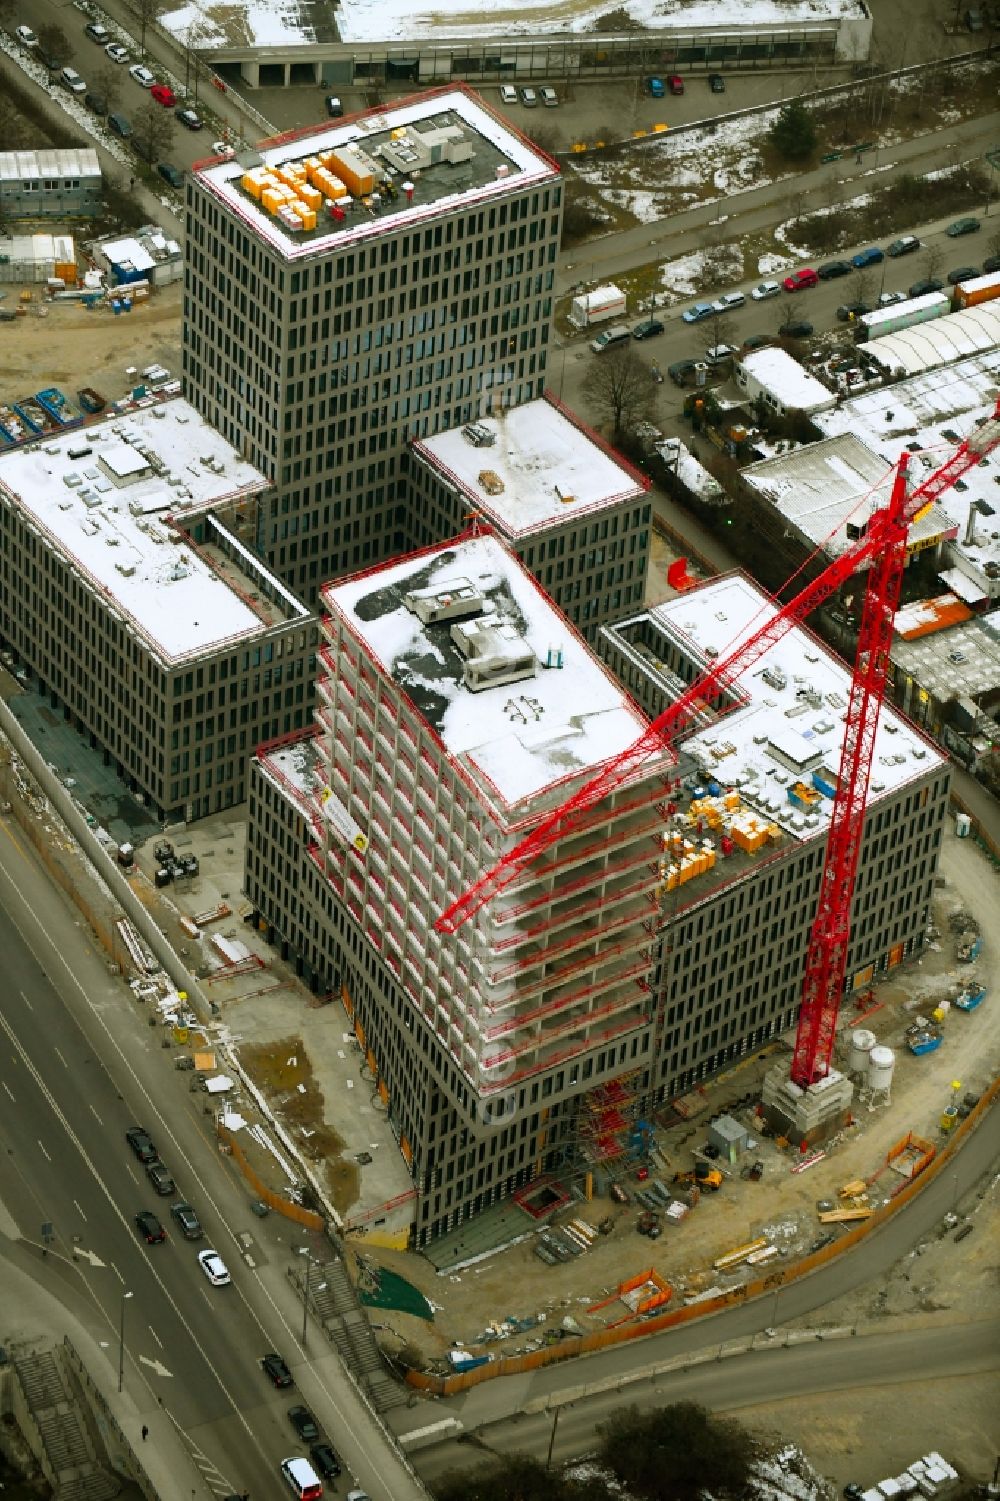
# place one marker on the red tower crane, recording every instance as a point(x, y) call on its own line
point(883, 545)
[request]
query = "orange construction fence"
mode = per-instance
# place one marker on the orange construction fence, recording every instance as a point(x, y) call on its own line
point(448, 1386)
point(306, 1217)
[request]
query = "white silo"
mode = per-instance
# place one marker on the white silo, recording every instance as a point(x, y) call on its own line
point(881, 1066)
point(859, 1051)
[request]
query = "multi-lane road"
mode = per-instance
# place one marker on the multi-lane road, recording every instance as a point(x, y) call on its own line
point(78, 1066)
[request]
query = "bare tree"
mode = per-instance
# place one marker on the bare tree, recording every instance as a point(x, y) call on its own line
point(107, 81)
point(933, 262)
point(620, 387)
point(53, 45)
point(723, 329)
point(147, 12)
point(152, 131)
point(993, 243)
point(862, 287)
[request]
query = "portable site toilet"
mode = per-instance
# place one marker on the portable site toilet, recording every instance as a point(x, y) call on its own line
point(729, 1136)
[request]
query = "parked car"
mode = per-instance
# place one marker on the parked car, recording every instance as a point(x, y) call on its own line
point(848, 311)
point(70, 79)
point(273, 1366)
point(962, 227)
point(870, 257)
point(757, 341)
point(529, 98)
point(928, 284)
point(729, 301)
point(117, 53)
point(150, 1228)
point(163, 94)
point(647, 329)
point(905, 245)
point(962, 273)
point(765, 289)
point(171, 174)
point(608, 336)
point(143, 77)
point(325, 1460)
point(508, 93)
point(120, 125)
point(680, 371)
point(550, 99)
point(187, 1219)
point(215, 1268)
point(798, 328)
point(889, 299)
point(141, 1143)
point(98, 33)
point(717, 83)
point(190, 119)
point(974, 19)
point(675, 83)
point(801, 279)
point(698, 312)
point(161, 1180)
point(334, 107)
point(223, 149)
point(304, 1423)
point(830, 270)
point(991, 265)
point(97, 103)
point(719, 353)
point(26, 36)
point(656, 87)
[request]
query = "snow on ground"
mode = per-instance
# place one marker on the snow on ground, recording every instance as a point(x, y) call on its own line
point(784, 1475)
point(672, 171)
point(72, 104)
point(770, 264)
point(381, 20)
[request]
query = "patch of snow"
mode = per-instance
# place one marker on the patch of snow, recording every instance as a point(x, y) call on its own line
point(643, 206)
point(769, 264)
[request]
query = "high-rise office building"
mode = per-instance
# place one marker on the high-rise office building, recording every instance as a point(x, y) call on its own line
point(354, 285)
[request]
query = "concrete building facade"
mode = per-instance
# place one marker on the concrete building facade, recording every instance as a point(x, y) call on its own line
point(60, 183)
point(356, 285)
point(145, 618)
point(574, 512)
point(654, 941)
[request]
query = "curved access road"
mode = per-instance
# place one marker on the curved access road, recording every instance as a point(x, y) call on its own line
point(493, 1402)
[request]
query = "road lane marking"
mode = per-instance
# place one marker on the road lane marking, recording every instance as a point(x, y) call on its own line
point(95, 1115)
point(59, 1055)
point(79, 1210)
point(7, 1087)
point(24, 998)
point(44, 1152)
point(155, 1336)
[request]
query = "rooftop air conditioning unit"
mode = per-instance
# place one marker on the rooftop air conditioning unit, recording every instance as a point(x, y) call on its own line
point(456, 599)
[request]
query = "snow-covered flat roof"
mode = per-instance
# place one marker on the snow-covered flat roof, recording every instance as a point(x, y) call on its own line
point(823, 486)
point(927, 346)
point(931, 414)
point(501, 159)
point(100, 496)
point(694, 476)
point(797, 711)
point(518, 739)
point(547, 468)
point(296, 766)
point(378, 20)
point(25, 166)
point(787, 380)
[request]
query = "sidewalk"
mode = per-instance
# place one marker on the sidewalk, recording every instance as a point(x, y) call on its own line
point(34, 1319)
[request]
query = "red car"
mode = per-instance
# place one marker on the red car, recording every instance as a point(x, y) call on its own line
point(675, 83)
point(164, 94)
point(799, 280)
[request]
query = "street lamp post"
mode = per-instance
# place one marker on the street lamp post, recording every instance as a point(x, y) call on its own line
point(303, 1251)
point(121, 1340)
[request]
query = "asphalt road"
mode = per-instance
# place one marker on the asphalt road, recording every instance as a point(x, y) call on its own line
point(768, 1374)
point(77, 1067)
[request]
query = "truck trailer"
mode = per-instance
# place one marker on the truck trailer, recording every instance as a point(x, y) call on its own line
point(889, 320)
point(597, 306)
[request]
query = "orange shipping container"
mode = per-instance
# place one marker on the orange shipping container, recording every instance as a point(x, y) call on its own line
point(353, 171)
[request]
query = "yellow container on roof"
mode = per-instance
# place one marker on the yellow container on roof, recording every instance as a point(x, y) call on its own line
point(307, 215)
point(272, 199)
point(360, 180)
point(311, 197)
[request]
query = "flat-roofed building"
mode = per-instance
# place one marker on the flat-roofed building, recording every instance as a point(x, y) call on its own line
point(143, 615)
point(352, 285)
point(655, 940)
point(574, 512)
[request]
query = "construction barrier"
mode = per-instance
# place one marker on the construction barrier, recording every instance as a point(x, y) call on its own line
point(275, 1201)
point(449, 1386)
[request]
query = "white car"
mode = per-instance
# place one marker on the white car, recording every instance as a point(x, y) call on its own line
point(719, 353)
point(730, 300)
point(765, 290)
point(549, 98)
point(889, 299)
point(26, 36)
point(223, 149)
point(508, 93)
point(214, 1268)
point(71, 80)
point(116, 52)
point(142, 75)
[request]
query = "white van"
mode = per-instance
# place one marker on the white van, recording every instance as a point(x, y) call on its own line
point(302, 1479)
point(609, 336)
